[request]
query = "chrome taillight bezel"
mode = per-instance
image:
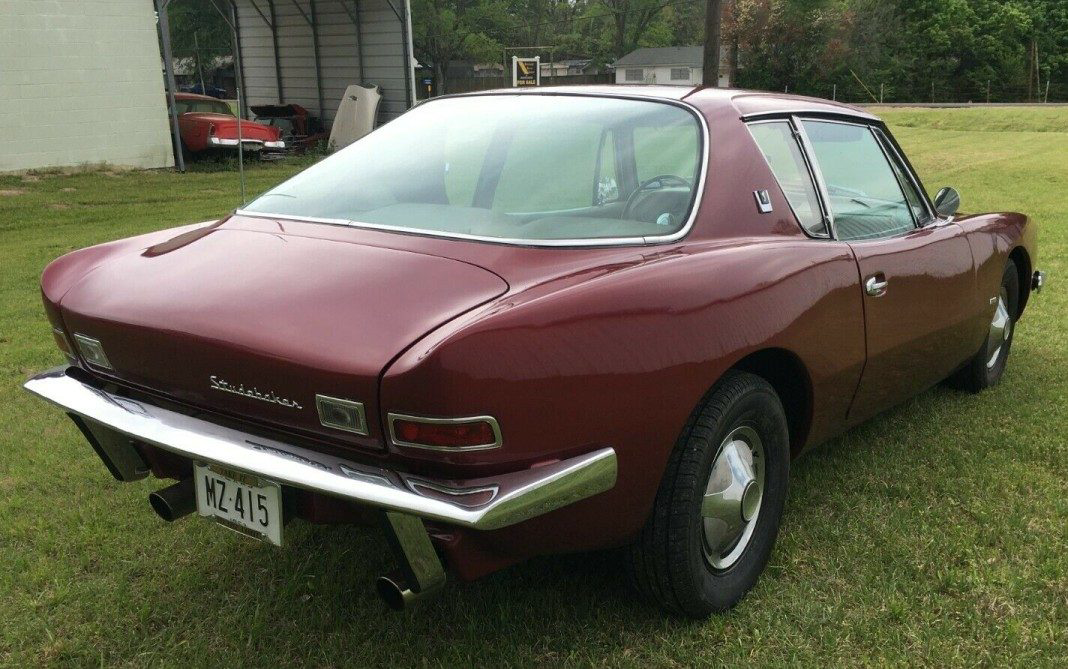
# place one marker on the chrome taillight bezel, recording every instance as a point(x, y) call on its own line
point(323, 403)
point(392, 418)
point(92, 351)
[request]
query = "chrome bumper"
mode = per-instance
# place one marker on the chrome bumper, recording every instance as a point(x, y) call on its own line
point(111, 421)
point(250, 144)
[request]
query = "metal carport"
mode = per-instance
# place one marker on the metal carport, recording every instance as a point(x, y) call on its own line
point(308, 51)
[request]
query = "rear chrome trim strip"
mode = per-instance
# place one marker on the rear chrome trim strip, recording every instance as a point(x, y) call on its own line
point(521, 494)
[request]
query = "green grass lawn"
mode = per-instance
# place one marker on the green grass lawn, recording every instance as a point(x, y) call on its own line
point(936, 534)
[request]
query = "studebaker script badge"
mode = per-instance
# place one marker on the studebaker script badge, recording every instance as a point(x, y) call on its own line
point(254, 393)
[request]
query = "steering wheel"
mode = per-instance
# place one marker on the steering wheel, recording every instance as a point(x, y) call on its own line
point(660, 181)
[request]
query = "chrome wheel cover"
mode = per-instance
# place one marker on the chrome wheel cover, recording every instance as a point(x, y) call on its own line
point(731, 504)
point(1000, 330)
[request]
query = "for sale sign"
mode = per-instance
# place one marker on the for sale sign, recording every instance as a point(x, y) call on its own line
point(526, 71)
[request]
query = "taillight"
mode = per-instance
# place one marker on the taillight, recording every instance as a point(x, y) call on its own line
point(92, 351)
point(445, 434)
point(341, 414)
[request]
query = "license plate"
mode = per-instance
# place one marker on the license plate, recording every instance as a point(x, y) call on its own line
point(239, 501)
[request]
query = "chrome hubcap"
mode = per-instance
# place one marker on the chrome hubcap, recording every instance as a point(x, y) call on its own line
point(731, 504)
point(1000, 330)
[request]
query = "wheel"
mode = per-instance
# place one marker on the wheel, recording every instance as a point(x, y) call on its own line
point(987, 366)
point(718, 509)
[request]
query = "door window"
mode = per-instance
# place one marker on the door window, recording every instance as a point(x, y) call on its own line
point(865, 194)
point(780, 148)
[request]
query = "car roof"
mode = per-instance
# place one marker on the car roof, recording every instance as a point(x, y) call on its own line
point(747, 103)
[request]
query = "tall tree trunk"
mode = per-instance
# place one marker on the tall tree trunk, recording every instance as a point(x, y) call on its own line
point(713, 18)
point(441, 71)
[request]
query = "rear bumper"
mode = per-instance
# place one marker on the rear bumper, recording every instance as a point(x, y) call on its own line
point(114, 424)
point(249, 144)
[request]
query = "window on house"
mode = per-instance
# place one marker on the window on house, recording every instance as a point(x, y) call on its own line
point(680, 74)
point(634, 74)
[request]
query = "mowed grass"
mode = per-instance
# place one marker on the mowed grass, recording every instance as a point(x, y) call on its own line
point(936, 534)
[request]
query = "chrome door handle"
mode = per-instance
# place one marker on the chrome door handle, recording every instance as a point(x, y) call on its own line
point(874, 287)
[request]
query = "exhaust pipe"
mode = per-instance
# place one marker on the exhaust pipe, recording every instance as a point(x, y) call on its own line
point(421, 572)
point(394, 591)
point(174, 501)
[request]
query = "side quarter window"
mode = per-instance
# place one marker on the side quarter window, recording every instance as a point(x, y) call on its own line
point(781, 150)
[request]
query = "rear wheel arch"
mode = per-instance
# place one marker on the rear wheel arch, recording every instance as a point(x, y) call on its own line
point(790, 379)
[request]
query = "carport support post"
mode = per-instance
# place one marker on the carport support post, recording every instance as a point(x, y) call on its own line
point(318, 60)
point(277, 59)
point(168, 68)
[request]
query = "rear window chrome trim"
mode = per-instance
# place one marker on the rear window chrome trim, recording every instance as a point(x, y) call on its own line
point(580, 242)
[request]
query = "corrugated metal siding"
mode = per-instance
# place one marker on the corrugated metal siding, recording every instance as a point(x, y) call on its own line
point(383, 53)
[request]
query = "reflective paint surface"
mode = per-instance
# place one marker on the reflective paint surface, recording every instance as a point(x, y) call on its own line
point(571, 350)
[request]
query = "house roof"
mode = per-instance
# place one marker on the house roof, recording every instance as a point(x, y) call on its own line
point(684, 56)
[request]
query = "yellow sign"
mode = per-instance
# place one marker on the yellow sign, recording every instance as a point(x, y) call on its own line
point(526, 71)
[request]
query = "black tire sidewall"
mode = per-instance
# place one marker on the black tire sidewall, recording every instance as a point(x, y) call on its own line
point(714, 590)
point(1010, 281)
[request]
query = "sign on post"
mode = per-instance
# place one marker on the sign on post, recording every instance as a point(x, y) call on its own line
point(526, 71)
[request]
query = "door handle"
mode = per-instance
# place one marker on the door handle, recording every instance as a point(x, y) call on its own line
point(874, 287)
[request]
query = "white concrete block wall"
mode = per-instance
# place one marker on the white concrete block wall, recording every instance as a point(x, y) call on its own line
point(81, 82)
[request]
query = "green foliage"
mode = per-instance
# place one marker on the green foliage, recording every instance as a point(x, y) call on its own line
point(198, 31)
point(945, 50)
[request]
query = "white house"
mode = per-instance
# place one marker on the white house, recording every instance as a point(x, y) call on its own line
point(670, 65)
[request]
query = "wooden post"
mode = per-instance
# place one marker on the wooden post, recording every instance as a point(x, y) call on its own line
point(713, 18)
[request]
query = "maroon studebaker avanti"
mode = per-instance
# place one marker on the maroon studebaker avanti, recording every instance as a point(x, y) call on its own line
point(512, 324)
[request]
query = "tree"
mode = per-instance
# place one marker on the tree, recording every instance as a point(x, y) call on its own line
point(631, 21)
point(444, 31)
point(199, 32)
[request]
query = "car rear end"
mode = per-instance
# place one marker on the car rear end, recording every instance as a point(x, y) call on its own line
point(245, 365)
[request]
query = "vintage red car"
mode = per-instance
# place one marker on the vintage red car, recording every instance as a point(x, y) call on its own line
point(518, 323)
point(207, 123)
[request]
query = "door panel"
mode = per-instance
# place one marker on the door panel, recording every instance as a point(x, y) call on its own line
point(919, 329)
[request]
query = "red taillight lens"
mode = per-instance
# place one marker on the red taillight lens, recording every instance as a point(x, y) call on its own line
point(438, 433)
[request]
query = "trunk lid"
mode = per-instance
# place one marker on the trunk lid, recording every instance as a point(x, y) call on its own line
point(255, 324)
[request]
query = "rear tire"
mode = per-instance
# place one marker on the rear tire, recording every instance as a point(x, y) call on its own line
point(700, 552)
point(986, 367)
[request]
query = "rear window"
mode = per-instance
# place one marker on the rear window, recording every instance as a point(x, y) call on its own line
point(202, 107)
point(522, 168)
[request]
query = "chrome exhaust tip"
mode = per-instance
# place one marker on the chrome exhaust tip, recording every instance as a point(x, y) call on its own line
point(174, 501)
point(393, 590)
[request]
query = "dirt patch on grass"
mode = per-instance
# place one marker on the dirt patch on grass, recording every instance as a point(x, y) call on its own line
point(12, 192)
